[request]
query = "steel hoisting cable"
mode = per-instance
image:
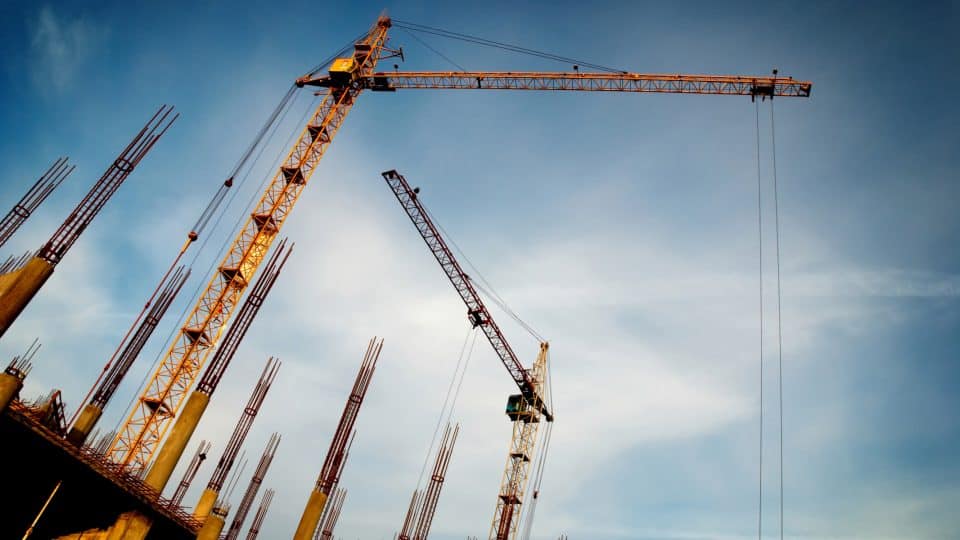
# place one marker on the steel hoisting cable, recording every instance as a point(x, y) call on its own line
point(483, 285)
point(500, 45)
point(760, 244)
point(427, 45)
point(465, 353)
point(776, 216)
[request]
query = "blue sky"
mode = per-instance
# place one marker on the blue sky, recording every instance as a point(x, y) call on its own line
point(622, 227)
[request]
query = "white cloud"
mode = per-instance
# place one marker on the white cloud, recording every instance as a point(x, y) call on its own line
point(61, 46)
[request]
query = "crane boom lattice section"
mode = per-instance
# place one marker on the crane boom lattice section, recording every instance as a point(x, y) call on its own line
point(476, 309)
point(727, 85)
point(141, 433)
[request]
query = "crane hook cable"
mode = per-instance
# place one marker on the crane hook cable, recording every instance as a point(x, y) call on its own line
point(776, 216)
point(466, 352)
point(760, 244)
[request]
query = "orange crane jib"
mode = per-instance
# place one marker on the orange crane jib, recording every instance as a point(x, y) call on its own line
point(730, 85)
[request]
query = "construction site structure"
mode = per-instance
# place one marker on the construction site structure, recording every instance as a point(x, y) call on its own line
point(229, 456)
point(340, 445)
point(135, 525)
point(147, 425)
point(118, 366)
point(331, 514)
point(198, 458)
point(255, 482)
point(423, 506)
point(18, 286)
point(11, 380)
point(34, 197)
point(260, 515)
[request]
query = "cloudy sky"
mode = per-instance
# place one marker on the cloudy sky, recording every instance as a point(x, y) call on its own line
point(624, 228)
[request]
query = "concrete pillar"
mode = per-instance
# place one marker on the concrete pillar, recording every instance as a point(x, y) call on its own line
point(137, 525)
point(10, 386)
point(84, 425)
point(311, 516)
point(213, 526)
point(21, 286)
point(205, 504)
point(119, 529)
point(176, 442)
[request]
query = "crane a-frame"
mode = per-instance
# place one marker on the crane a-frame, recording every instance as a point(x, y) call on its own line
point(139, 436)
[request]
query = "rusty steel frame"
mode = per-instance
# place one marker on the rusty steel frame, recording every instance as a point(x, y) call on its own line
point(260, 515)
point(331, 514)
point(243, 425)
point(111, 471)
point(343, 436)
point(34, 196)
point(198, 458)
point(117, 371)
point(431, 496)
point(168, 387)
point(95, 199)
point(251, 492)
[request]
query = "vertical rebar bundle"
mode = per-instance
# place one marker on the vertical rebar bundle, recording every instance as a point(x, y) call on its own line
point(88, 208)
point(190, 473)
point(423, 505)
point(336, 455)
point(410, 520)
point(15, 263)
point(328, 522)
point(432, 494)
point(38, 193)
point(243, 425)
point(251, 306)
point(252, 489)
point(260, 515)
point(135, 344)
point(21, 364)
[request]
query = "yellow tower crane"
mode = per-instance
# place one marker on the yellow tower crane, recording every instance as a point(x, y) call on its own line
point(163, 397)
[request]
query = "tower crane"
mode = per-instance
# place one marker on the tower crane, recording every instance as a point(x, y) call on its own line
point(526, 408)
point(346, 78)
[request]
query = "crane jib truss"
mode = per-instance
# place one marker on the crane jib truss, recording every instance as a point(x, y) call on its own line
point(140, 435)
point(476, 309)
point(727, 85)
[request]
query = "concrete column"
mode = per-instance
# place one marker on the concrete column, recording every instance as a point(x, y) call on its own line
point(213, 526)
point(311, 516)
point(137, 525)
point(9, 387)
point(84, 425)
point(176, 442)
point(21, 286)
point(205, 504)
point(119, 529)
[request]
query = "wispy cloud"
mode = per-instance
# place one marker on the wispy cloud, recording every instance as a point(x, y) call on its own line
point(60, 47)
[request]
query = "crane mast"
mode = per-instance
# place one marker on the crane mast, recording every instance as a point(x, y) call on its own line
point(151, 417)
